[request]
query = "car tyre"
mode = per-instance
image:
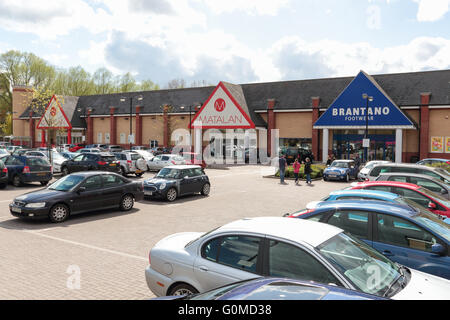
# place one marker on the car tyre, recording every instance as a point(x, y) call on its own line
point(65, 171)
point(182, 289)
point(171, 194)
point(59, 213)
point(127, 202)
point(206, 189)
point(123, 172)
point(17, 182)
point(44, 183)
point(139, 175)
point(347, 178)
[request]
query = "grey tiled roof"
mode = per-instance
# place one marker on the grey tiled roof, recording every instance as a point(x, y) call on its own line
point(403, 88)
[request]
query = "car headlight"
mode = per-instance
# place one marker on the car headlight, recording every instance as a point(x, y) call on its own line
point(35, 205)
point(162, 186)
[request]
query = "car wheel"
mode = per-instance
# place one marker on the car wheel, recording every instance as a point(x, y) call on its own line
point(3, 186)
point(206, 189)
point(347, 178)
point(127, 202)
point(182, 289)
point(44, 183)
point(17, 182)
point(325, 179)
point(139, 175)
point(59, 213)
point(123, 172)
point(171, 194)
point(65, 171)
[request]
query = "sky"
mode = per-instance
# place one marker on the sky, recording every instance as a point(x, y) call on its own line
point(239, 41)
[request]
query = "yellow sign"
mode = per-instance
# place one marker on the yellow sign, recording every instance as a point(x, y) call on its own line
point(447, 144)
point(437, 144)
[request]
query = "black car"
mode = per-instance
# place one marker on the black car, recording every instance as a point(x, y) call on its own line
point(174, 181)
point(25, 169)
point(78, 193)
point(3, 175)
point(102, 161)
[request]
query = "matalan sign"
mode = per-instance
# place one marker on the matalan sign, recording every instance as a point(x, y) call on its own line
point(222, 111)
point(54, 117)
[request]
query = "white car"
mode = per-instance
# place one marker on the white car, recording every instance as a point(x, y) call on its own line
point(164, 160)
point(131, 162)
point(194, 262)
point(364, 172)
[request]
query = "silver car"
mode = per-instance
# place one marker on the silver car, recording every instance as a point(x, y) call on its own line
point(423, 180)
point(363, 173)
point(437, 173)
point(164, 160)
point(191, 262)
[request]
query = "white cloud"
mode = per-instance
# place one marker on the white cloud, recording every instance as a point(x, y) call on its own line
point(258, 7)
point(432, 10)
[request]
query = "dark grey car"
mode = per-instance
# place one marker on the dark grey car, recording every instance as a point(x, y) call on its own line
point(423, 180)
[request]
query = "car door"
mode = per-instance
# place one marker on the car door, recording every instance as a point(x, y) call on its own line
point(75, 165)
point(356, 222)
point(416, 197)
point(408, 244)
point(113, 189)
point(15, 166)
point(291, 260)
point(227, 259)
point(187, 182)
point(155, 163)
point(92, 197)
point(428, 184)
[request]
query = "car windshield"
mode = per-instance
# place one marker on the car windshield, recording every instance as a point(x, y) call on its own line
point(444, 173)
point(66, 183)
point(57, 156)
point(435, 196)
point(339, 164)
point(368, 270)
point(167, 173)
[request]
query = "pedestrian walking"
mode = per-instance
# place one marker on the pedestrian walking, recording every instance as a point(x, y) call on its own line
point(308, 171)
point(282, 166)
point(329, 161)
point(296, 166)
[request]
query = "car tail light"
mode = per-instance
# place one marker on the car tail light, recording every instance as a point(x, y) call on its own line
point(173, 162)
point(102, 163)
point(26, 169)
point(301, 213)
point(5, 170)
point(129, 162)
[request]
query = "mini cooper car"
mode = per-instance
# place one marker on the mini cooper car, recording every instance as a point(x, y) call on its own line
point(343, 170)
point(174, 181)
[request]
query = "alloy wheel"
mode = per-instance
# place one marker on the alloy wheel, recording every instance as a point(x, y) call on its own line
point(59, 213)
point(127, 203)
point(171, 194)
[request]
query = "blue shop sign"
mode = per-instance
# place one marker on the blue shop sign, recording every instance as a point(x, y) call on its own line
point(349, 110)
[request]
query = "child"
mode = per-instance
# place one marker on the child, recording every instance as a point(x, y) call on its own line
point(296, 167)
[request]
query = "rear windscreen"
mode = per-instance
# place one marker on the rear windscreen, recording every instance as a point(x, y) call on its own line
point(109, 158)
point(37, 162)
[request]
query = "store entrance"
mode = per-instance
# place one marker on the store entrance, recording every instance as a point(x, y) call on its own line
point(348, 144)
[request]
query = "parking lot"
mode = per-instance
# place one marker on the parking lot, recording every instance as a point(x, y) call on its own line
point(109, 249)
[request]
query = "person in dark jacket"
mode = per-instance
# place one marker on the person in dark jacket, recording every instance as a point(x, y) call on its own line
point(308, 171)
point(282, 166)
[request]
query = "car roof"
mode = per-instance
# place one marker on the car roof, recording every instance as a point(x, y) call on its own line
point(370, 205)
point(343, 160)
point(415, 175)
point(93, 173)
point(438, 159)
point(389, 183)
point(406, 165)
point(375, 193)
point(180, 167)
point(297, 230)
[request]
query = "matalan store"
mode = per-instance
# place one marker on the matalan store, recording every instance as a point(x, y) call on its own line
point(407, 115)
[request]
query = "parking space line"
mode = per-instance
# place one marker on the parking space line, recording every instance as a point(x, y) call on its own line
point(79, 244)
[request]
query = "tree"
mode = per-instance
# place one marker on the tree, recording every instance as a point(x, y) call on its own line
point(176, 84)
point(103, 81)
point(148, 85)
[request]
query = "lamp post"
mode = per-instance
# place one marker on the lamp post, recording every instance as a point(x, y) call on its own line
point(85, 109)
point(368, 98)
point(139, 98)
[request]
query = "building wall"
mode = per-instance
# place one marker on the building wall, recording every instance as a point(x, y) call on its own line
point(100, 126)
point(294, 124)
point(152, 129)
point(439, 127)
point(123, 128)
point(21, 99)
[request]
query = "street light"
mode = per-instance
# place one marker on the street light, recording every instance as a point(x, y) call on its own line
point(368, 98)
point(84, 116)
point(139, 98)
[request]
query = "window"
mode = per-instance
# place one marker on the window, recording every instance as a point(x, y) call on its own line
point(317, 217)
point(110, 180)
point(399, 179)
point(430, 185)
point(136, 156)
point(289, 261)
point(165, 158)
point(78, 158)
point(240, 252)
point(198, 172)
point(376, 171)
point(431, 174)
point(11, 161)
point(93, 183)
point(153, 143)
point(355, 222)
point(413, 196)
point(403, 233)
point(380, 188)
point(211, 249)
point(37, 162)
point(404, 169)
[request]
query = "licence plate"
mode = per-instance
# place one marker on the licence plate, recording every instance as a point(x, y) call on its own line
point(40, 174)
point(148, 193)
point(332, 175)
point(138, 171)
point(15, 209)
point(112, 164)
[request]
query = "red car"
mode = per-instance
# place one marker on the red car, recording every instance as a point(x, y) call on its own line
point(194, 158)
point(76, 147)
point(424, 197)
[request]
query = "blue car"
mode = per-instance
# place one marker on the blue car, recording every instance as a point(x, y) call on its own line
point(408, 235)
point(431, 161)
point(342, 170)
point(26, 169)
point(360, 194)
point(277, 289)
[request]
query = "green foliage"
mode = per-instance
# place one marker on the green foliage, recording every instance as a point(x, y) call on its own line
point(317, 171)
point(444, 166)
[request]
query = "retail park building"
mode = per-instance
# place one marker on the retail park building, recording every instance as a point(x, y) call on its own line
point(408, 115)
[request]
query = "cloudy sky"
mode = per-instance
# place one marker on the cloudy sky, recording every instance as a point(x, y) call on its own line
point(239, 41)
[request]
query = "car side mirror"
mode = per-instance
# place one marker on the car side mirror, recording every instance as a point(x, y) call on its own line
point(431, 205)
point(438, 248)
point(81, 189)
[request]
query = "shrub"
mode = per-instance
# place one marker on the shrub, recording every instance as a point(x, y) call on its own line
point(317, 172)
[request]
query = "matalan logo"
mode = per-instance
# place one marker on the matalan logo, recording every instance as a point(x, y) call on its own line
point(220, 105)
